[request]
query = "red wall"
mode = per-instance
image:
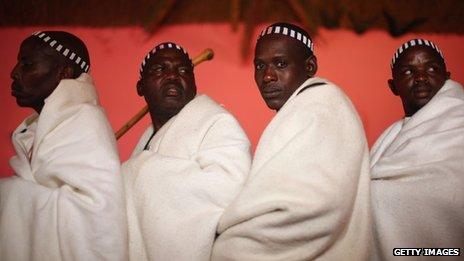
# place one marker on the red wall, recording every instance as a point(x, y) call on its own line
point(357, 63)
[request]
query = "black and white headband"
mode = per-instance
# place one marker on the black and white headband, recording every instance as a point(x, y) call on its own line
point(85, 66)
point(161, 46)
point(279, 29)
point(411, 43)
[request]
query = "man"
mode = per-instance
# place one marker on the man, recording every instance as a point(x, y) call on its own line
point(188, 166)
point(307, 195)
point(66, 200)
point(417, 163)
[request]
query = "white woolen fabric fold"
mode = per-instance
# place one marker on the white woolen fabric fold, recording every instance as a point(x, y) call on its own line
point(66, 202)
point(177, 190)
point(418, 177)
point(307, 196)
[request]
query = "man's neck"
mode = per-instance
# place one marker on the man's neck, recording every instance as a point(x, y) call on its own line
point(158, 120)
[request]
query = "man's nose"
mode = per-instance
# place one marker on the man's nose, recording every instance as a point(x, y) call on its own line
point(269, 75)
point(420, 76)
point(14, 74)
point(172, 74)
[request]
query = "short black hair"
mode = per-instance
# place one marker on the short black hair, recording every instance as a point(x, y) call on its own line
point(297, 29)
point(163, 46)
point(293, 27)
point(435, 53)
point(71, 42)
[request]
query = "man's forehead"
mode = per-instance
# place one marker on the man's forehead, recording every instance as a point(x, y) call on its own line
point(32, 47)
point(30, 43)
point(276, 45)
point(171, 55)
point(275, 39)
point(418, 51)
point(413, 44)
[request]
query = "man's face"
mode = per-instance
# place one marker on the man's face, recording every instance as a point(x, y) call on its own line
point(35, 76)
point(168, 82)
point(417, 76)
point(280, 68)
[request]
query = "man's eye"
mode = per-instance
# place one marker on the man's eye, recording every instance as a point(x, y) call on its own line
point(183, 70)
point(26, 63)
point(407, 72)
point(259, 66)
point(155, 69)
point(281, 64)
point(431, 69)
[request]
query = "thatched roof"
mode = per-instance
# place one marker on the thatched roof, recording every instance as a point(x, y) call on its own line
point(395, 16)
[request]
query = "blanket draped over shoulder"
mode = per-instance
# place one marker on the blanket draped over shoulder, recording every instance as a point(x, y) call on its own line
point(66, 201)
point(417, 168)
point(307, 195)
point(178, 188)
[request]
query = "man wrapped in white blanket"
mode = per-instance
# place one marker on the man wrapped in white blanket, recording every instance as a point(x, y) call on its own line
point(307, 196)
point(65, 201)
point(417, 164)
point(187, 167)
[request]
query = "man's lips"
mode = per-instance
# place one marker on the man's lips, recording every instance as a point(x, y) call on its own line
point(421, 92)
point(16, 90)
point(172, 91)
point(271, 92)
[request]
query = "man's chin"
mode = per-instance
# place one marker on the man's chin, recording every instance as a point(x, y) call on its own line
point(421, 102)
point(22, 103)
point(273, 104)
point(170, 110)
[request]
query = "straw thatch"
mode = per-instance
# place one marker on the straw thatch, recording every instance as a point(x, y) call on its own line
point(394, 16)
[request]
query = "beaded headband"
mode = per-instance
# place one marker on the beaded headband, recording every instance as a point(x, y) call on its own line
point(280, 29)
point(161, 46)
point(85, 66)
point(411, 43)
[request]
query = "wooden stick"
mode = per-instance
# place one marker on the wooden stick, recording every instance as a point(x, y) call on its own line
point(206, 55)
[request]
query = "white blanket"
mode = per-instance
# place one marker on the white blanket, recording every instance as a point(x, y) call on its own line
point(307, 195)
point(66, 201)
point(418, 177)
point(177, 190)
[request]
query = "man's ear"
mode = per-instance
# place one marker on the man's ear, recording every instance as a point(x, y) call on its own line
point(63, 72)
point(311, 66)
point(140, 87)
point(392, 86)
point(67, 73)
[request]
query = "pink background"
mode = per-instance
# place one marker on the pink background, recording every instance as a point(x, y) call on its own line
point(359, 64)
